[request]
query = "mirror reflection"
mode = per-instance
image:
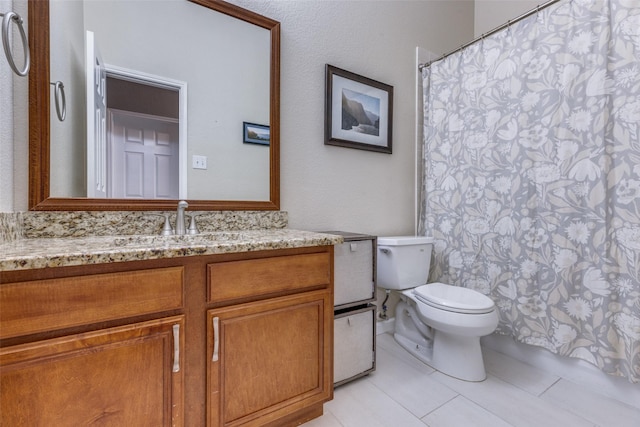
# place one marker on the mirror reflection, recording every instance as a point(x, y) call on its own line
point(157, 94)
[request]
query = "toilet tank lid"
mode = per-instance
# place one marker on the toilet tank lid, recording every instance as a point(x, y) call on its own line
point(404, 240)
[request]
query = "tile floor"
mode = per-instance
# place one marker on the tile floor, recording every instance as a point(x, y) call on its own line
point(403, 392)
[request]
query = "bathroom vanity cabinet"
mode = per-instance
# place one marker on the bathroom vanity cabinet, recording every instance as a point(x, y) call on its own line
point(242, 339)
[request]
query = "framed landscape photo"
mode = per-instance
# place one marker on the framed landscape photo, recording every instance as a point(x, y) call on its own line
point(255, 134)
point(358, 111)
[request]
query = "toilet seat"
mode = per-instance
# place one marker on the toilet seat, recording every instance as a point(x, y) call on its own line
point(454, 298)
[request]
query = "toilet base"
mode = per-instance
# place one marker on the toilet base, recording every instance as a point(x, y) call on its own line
point(454, 355)
point(421, 352)
point(461, 360)
point(459, 357)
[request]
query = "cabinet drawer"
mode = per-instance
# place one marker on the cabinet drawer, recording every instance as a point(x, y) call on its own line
point(354, 270)
point(354, 344)
point(235, 280)
point(46, 305)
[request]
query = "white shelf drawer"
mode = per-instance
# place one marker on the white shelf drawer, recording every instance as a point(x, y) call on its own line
point(354, 272)
point(354, 344)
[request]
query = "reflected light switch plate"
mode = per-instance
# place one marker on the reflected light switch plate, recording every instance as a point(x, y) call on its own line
point(199, 162)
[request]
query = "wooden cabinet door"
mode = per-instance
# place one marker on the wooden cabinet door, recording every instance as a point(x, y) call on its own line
point(124, 376)
point(269, 359)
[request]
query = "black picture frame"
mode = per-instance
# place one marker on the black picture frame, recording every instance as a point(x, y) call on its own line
point(358, 111)
point(253, 133)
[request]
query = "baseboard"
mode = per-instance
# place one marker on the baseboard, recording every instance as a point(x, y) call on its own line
point(575, 370)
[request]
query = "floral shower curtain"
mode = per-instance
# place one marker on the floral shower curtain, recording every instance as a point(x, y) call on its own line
point(531, 184)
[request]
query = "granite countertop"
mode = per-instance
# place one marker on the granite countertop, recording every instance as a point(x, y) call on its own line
point(24, 254)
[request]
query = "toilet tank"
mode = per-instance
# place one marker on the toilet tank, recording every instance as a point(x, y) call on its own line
point(403, 261)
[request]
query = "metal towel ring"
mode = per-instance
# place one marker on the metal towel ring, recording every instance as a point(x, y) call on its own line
point(61, 110)
point(5, 42)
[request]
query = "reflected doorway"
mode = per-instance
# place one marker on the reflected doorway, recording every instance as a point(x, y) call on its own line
point(142, 156)
point(143, 138)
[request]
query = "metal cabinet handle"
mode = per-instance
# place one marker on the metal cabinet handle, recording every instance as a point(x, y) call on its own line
point(61, 100)
point(176, 348)
point(216, 339)
point(6, 21)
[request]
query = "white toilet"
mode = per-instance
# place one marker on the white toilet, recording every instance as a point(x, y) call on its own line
point(439, 324)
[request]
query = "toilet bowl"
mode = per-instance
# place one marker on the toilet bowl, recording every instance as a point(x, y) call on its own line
point(438, 323)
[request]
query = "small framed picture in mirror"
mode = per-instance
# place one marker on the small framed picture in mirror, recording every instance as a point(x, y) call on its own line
point(255, 134)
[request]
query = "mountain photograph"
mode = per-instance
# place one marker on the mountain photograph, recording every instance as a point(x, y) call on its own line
point(360, 113)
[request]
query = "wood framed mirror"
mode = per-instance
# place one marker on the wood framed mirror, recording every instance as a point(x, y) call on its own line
point(40, 124)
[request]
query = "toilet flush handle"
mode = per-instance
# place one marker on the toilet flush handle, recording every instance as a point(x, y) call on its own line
point(385, 251)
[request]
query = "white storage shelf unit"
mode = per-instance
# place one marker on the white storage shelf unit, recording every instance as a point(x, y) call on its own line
point(354, 294)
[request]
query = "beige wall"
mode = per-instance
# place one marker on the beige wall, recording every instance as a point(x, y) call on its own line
point(6, 130)
point(327, 187)
point(490, 14)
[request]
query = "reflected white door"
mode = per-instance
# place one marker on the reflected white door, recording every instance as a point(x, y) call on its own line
point(96, 78)
point(143, 156)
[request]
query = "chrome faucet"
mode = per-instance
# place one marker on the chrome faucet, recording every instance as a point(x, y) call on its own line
point(180, 226)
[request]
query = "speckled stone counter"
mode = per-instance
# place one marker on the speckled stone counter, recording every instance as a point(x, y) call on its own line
point(10, 226)
point(30, 240)
point(23, 254)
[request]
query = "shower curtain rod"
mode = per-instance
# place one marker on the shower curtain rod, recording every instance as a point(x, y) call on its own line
point(495, 30)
